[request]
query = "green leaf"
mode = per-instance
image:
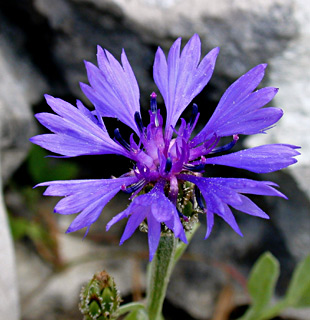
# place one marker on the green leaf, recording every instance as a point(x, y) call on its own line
point(139, 314)
point(21, 227)
point(298, 293)
point(262, 280)
point(18, 227)
point(130, 307)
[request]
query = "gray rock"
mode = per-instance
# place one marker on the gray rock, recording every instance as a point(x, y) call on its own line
point(290, 71)
point(20, 87)
point(247, 33)
point(80, 26)
point(259, 33)
point(45, 292)
point(9, 300)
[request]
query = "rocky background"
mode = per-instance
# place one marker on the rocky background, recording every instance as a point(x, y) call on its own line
point(42, 47)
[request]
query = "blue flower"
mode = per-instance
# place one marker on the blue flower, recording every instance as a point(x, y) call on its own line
point(165, 157)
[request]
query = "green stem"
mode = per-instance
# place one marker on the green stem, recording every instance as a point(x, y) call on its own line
point(159, 271)
point(181, 247)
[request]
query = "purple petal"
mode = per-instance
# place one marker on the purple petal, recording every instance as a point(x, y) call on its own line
point(113, 88)
point(262, 159)
point(250, 207)
point(154, 229)
point(210, 222)
point(135, 219)
point(221, 192)
point(241, 88)
point(240, 110)
point(247, 186)
point(176, 226)
point(156, 208)
point(75, 131)
point(68, 187)
point(160, 73)
point(91, 115)
point(86, 196)
point(229, 218)
point(117, 218)
point(216, 203)
point(91, 212)
point(181, 77)
point(161, 207)
point(75, 202)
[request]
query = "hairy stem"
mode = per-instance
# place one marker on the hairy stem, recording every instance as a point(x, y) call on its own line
point(159, 271)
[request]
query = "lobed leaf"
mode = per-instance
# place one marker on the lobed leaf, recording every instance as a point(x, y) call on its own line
point(262, 280)
point(298, 293)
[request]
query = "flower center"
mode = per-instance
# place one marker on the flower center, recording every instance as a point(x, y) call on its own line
point(157, 158)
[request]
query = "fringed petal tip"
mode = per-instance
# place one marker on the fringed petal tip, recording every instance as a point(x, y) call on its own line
point(48, 98)
point(43, 184)
point(239, 233)
point(70, 230)
point(281, 195)
point(263, 65)
point(215, 51)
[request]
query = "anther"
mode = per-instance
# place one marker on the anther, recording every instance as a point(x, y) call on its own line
point(193, 115)
point(134, 187)
point(168, 165)
point(199, 198)
point(195, 168)
point(120, 140)
point(227, 146)
point(181, 215)
point(138, 121)
point(153, 102)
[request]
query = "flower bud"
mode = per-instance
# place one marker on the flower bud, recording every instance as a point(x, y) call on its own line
point(100, 299)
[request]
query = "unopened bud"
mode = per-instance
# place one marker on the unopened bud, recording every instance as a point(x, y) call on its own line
point(100, 299)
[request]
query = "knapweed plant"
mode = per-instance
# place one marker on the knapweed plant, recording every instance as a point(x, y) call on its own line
point(167, 184)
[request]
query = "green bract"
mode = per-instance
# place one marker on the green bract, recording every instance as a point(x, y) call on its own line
point(100, 299)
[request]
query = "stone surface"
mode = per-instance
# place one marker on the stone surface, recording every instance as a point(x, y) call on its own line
point(78, 27)
point(9, 301)
point(17, 93)
point(59, 291)
point(290, 71)
point(20, 88)
point(259, 32)
point(247, 33)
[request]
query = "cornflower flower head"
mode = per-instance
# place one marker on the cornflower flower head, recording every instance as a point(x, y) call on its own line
point(169, 163)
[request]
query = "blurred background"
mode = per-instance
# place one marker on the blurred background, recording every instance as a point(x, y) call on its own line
point(42, 47)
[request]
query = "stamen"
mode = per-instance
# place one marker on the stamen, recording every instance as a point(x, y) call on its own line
point(154, 108)
point(227, 146)
point(181, 215)
point(120, 140)
point(194, 168)
point(134, 187)
point(153, 102)
point(194, 114)
point(199, 198)
point(139, 122)
point(168, 165)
